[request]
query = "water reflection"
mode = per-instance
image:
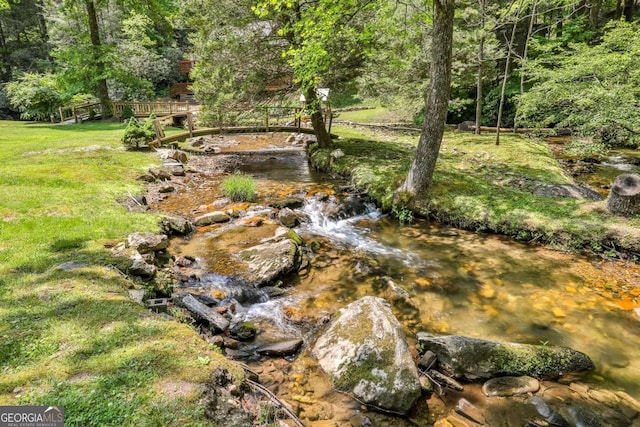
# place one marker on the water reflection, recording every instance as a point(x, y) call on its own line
point(438, 279)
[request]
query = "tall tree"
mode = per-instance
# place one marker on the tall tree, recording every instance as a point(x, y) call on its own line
point(113, 48)
point(629, 9)
point(98, 59)
point(421, 172)
point(482, 4)
point(505, 77)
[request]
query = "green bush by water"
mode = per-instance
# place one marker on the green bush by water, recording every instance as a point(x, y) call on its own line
point(239, 187)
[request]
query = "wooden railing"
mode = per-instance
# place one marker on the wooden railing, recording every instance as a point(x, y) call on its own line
point(79, 112)
point(145, 109)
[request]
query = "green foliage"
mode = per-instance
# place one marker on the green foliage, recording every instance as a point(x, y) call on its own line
point(137, 134)
point(127, 113)
point(239, 187)
point(403, 214)
point(236, 61)
point(590, 88)
point(81, 98)
point(36, 96)
point(586, 149)
point(491, 103)
point(137, 53)
point(323, 39)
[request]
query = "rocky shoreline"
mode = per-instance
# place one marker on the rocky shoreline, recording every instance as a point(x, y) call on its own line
point(362, 350)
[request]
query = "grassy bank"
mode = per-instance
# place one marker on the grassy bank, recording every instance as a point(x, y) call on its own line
point(484, 187)
point(72, 337)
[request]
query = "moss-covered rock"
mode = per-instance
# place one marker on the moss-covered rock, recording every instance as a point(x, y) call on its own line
point(364, 353)
point(472, 359)
point(269, 261)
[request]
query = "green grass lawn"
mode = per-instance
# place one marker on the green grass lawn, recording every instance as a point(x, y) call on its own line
point(475, 187)
point(373, 115)
point(74, 338)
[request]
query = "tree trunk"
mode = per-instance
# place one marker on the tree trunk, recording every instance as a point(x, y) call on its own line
point(42, 23)
point(594, 13)
point(419, 178)
point(480, 64)
point(319, 129)
point(3, 42)
point(629, 6)
point(505, 78)
point(94, 32)
point(624, 198)
point(618, 9)
point(524, 58)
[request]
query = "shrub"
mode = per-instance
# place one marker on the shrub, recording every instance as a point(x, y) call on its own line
point(127, 113)
point(137, 133)
point(402, 214)
point(36, 96)
point(239, 187)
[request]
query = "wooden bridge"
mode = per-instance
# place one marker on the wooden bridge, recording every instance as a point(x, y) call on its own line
point(88, 110)
point(262, 121)
point(145, 109)
point(80, 112)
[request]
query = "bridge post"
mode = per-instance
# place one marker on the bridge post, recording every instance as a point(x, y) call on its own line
point(266, 118)
point(190, 123)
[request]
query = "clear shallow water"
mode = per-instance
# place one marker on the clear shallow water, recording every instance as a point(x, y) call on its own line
point(439, 279)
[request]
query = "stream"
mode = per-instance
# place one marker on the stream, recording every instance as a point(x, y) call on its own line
point(443, 280)
point(598, 175)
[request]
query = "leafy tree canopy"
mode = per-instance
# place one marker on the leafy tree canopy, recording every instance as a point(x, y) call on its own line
point(594, 89)
point(323, 36)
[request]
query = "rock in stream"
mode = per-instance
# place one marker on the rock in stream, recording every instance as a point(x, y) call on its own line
point(365, 354)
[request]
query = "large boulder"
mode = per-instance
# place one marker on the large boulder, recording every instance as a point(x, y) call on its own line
point(473, 359)
point(268, 261)
point(176, 226)
point(145, 242)
point(211, 218)
point(364, 352)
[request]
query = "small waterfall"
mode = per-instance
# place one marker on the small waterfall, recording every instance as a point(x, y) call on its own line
point(270, 315)
point(338, 222)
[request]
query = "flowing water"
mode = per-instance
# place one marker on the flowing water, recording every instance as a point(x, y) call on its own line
point(616, 162)
point(439, 279)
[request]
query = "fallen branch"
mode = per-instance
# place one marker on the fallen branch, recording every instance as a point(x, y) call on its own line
point(134, 199)
point(274, 399)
